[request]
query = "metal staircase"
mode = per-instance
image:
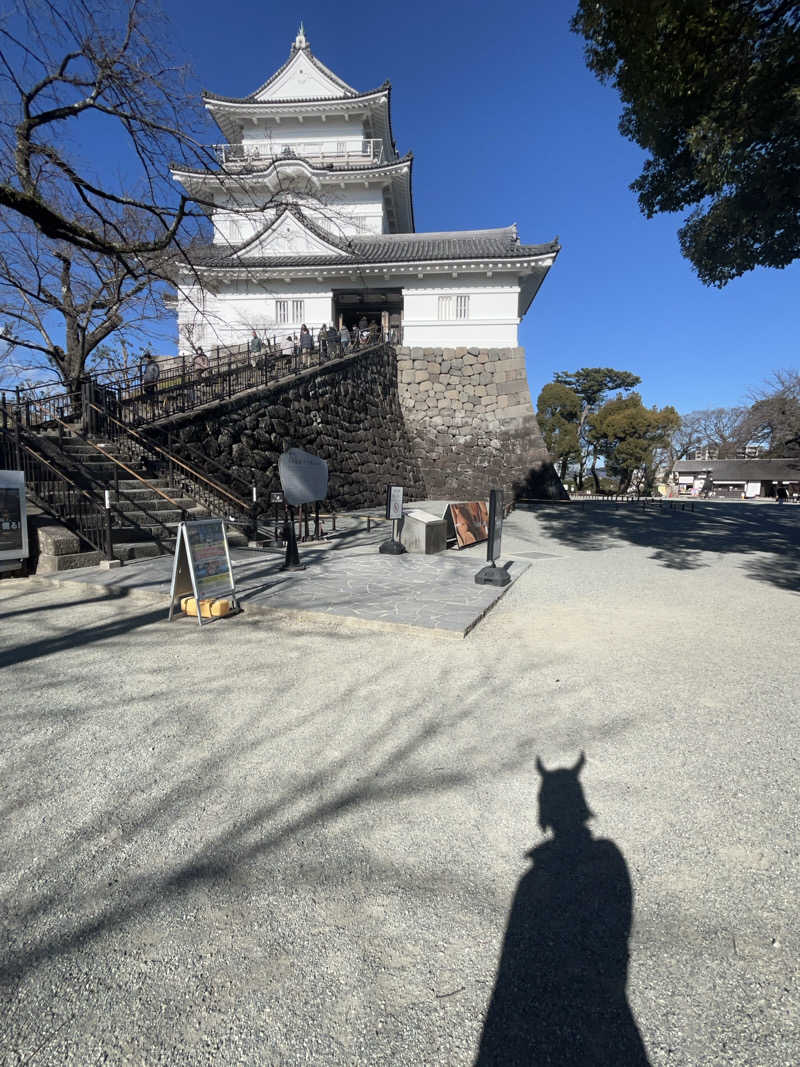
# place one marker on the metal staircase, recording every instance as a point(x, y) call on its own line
point(99, 462)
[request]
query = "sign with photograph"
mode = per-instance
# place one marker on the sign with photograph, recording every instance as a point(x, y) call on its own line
point(304, 478)
point(202, 564)
point(13, 516)
point(394, 501)
point(467, 522)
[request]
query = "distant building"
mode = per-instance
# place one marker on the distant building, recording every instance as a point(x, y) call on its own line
point(735, 478)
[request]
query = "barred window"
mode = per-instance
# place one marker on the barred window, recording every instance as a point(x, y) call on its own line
point(298, 313)
point(281, 312)
point(453, 307)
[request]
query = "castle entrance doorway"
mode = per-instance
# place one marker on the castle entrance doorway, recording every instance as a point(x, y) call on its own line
point(384, 307)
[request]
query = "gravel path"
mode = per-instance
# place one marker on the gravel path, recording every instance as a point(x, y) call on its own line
point(263, 844)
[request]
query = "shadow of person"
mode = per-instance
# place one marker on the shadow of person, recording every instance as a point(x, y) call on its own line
point(559, 997)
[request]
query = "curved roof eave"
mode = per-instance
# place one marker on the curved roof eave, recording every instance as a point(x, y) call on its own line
point(326, 171)
point(249, 102)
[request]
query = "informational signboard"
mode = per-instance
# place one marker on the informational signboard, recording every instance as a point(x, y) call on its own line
point(495, 524)
point(394, 501)
point(276, 497)
point(304, 477)
point(13, 517)
point(202, 564)
point(468, 522)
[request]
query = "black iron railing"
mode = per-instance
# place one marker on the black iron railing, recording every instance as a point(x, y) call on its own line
point(182, 385)
point(57, 494)
point(216, 498)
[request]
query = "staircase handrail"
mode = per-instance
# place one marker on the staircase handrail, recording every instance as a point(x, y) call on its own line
point(92, 533)
point(119, 463)
point(147, 444)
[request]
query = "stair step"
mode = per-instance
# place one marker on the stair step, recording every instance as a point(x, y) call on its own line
point(152, 502)
point(128, 550)
point(141, 518)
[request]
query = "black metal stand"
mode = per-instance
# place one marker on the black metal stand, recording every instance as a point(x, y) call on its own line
point(292, 560)
point(492, 575)
point(392, 547)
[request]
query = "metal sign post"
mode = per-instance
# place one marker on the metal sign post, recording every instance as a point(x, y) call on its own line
point(304, 480)
point(394, 511)
point(202, 564)
point(492, 574)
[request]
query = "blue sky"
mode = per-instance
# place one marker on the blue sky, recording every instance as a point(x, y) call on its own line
point(507, 125)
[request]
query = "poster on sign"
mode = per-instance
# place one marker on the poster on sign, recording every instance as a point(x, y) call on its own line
point(394, 501)
point(467, 523)
point(304, 478)
point(202, 564)
point(13, 518)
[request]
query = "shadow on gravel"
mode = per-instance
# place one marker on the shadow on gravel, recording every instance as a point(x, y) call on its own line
point(559, 997)
point(47, 646)
point(678, 538)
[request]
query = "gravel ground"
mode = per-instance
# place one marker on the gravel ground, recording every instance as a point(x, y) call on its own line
point(283, 844)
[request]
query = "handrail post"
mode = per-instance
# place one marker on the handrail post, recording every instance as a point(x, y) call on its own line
point(171, 469)
point(17, 438)
point(183, 383)
point(254, 514)
point(109, 551)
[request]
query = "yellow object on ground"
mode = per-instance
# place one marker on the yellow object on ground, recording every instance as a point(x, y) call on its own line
point(209, 609)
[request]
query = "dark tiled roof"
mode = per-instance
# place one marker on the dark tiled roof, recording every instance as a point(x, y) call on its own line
point(294, 100)
point(743, 470)
point(453, 246)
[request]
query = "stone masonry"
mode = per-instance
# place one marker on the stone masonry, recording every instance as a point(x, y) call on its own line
point(469, 413)
point(348, 413)
point(445, 424)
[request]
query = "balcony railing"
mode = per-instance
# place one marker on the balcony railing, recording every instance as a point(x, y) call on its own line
point(353, 150)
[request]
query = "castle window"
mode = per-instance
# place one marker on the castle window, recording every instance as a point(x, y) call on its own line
point(298, 314)
point(453, 307)
point(281, 312)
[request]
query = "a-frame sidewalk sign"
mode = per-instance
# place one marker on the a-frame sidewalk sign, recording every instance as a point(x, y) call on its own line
point(202, 565)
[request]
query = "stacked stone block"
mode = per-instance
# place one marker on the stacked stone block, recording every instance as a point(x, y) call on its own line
point(348, 413)
point(469, 413)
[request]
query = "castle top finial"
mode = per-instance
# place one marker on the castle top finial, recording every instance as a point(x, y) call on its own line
point(300, 41)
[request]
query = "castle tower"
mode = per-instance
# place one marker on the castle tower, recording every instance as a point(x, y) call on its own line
point(313, 222)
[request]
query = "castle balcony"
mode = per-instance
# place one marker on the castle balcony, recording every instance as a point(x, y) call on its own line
point(352, 150)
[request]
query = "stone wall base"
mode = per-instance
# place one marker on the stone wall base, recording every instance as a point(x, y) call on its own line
point(469, 413)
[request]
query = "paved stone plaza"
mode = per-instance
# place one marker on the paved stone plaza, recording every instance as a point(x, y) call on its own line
point(344, 578)
point(288, 840)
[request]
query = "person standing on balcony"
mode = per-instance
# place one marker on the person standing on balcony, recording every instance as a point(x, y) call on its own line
point(151, 372)
point(254, 347)
point(306, 344)
point(200, 364)
point(323, 343)
point(333, 341)
point(344, 338)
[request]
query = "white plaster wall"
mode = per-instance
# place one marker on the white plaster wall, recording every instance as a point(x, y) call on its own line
point(291, 131)
point(228, 317)
point(351, 210)
point(492, 321)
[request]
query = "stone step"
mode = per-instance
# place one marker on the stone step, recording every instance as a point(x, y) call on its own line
point(130, 550)
point(152, 502)
point(133, 484)
point(153, 521)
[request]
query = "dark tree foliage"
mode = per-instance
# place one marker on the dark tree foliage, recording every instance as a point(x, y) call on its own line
point(571, 398)
point(711, 91)
point(773, 420)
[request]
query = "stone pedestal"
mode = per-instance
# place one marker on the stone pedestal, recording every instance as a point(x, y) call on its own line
point(423, 533)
